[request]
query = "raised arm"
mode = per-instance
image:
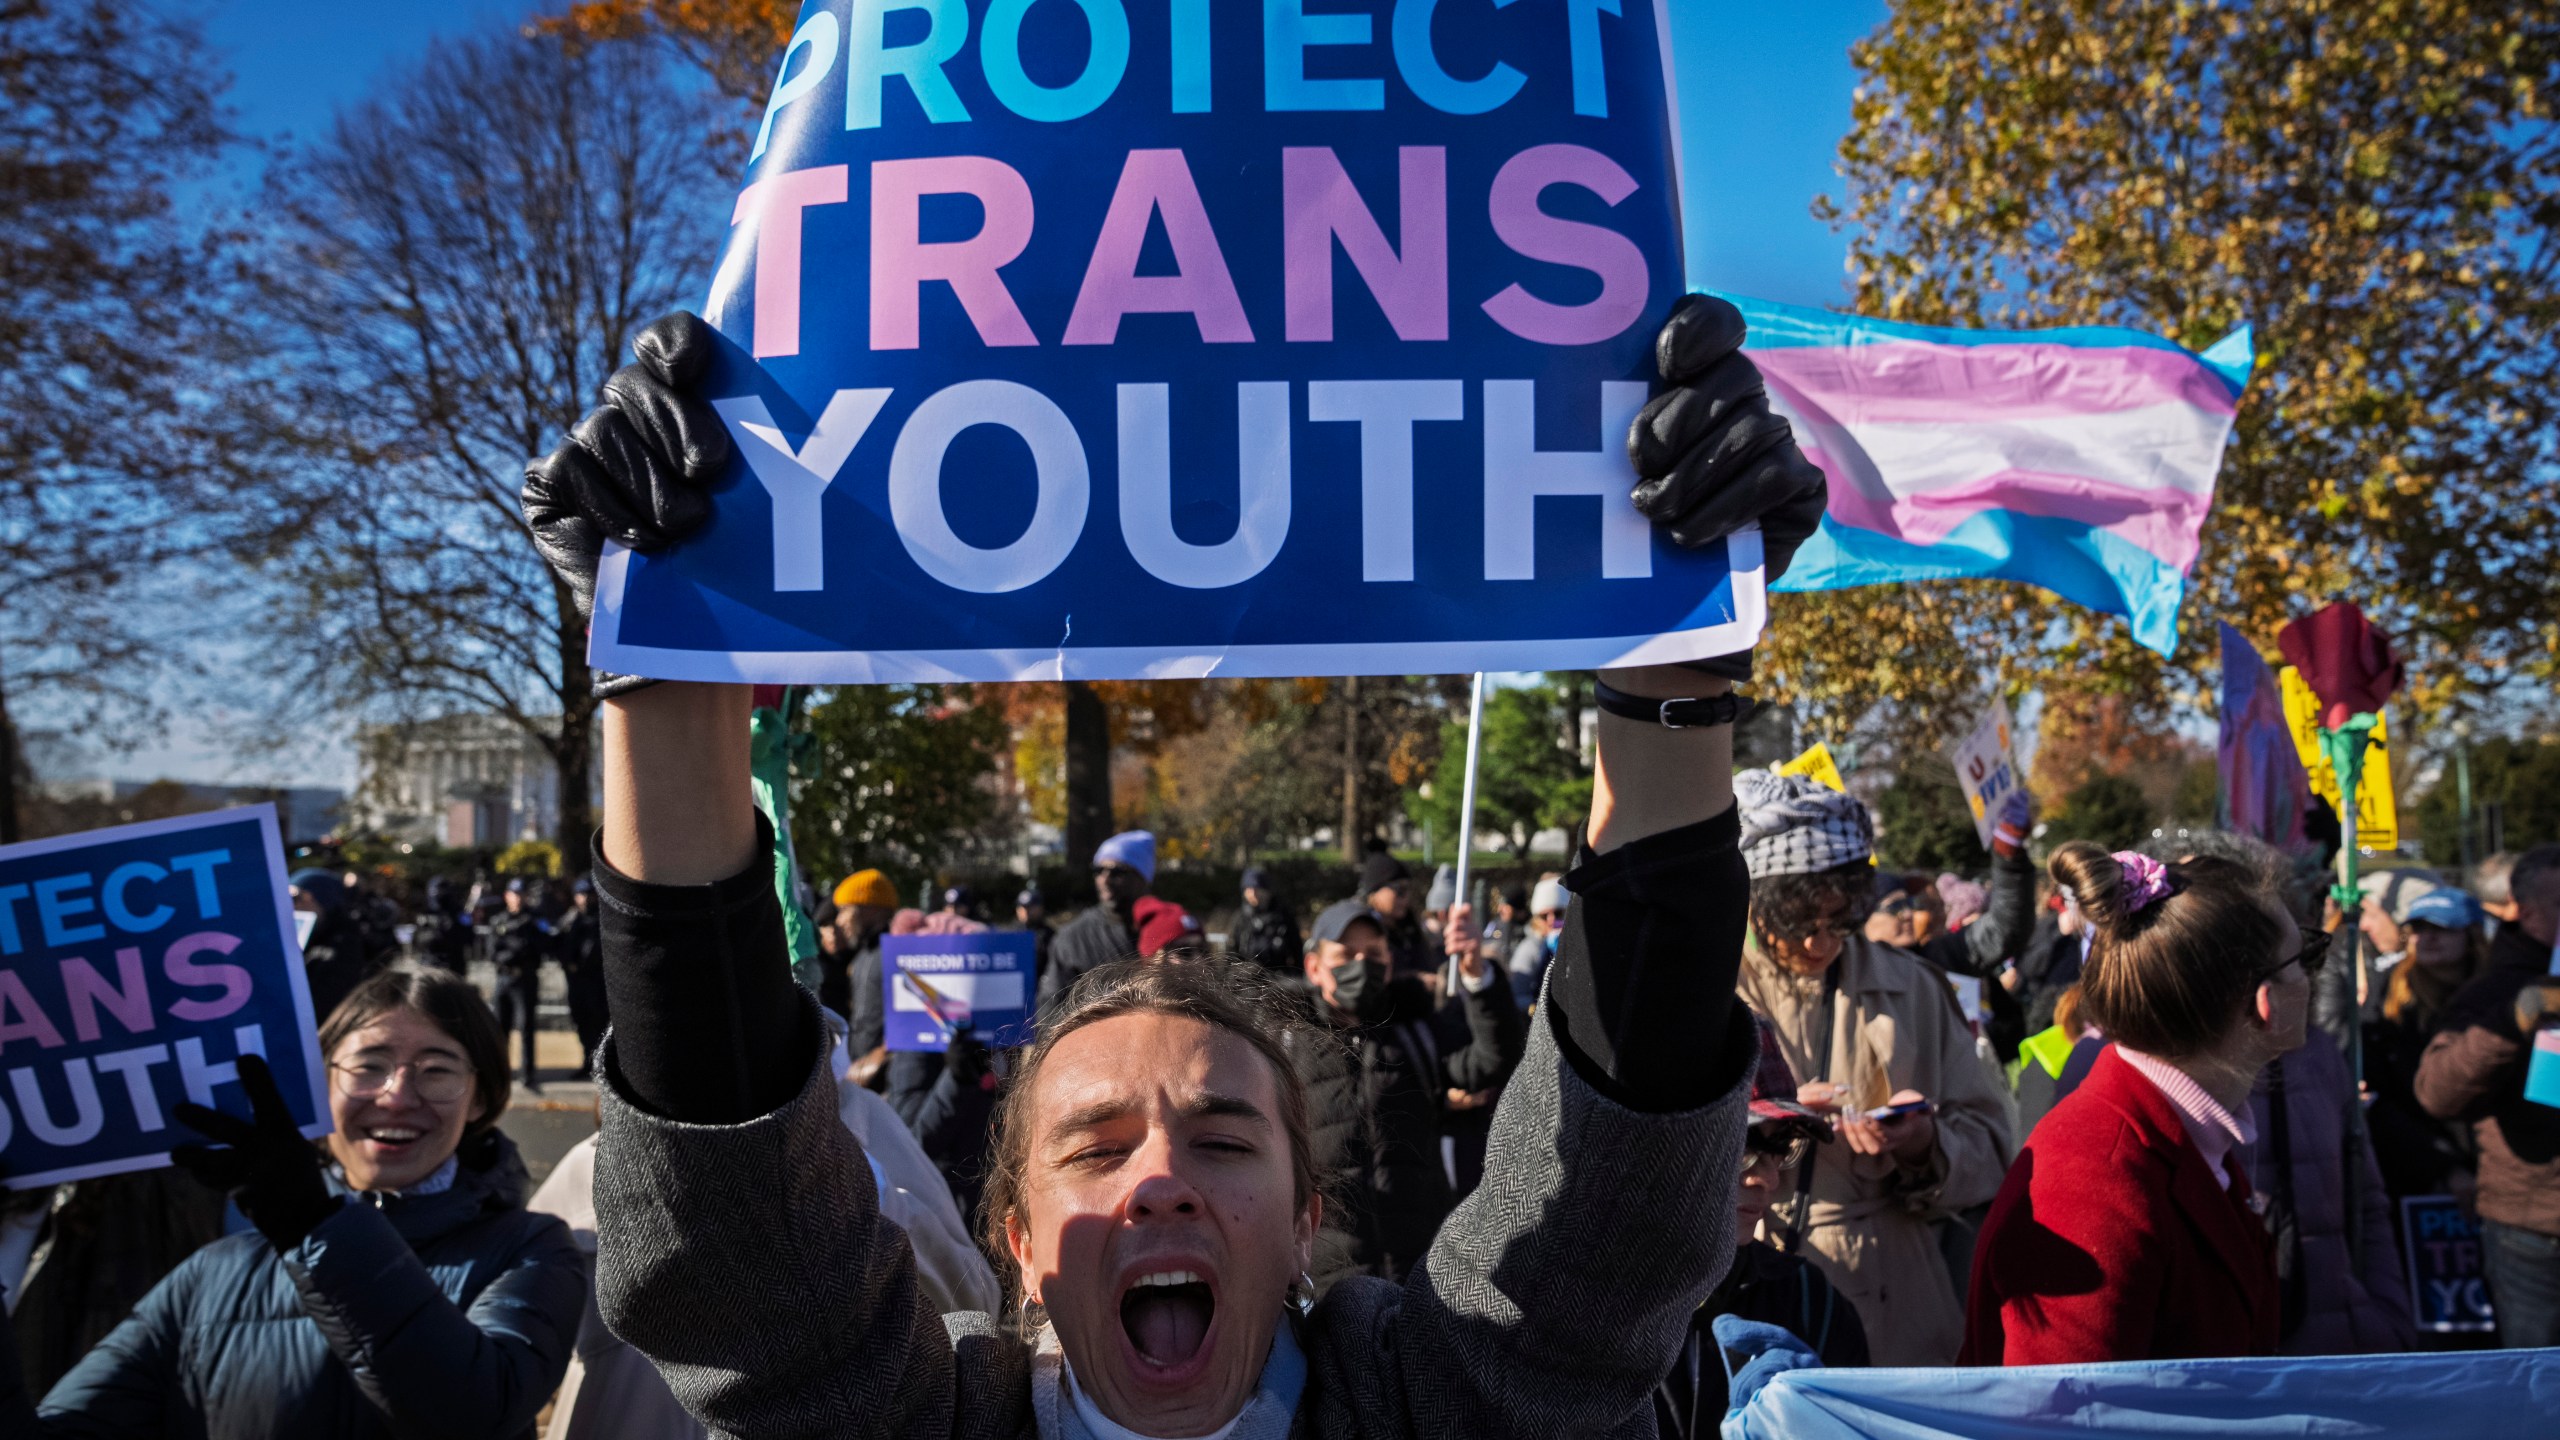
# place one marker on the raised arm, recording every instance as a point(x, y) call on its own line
point(739, 1239)
point(2010, 917)
point(1552, 1303)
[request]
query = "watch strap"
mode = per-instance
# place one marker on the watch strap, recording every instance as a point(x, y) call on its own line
point(1685, 713)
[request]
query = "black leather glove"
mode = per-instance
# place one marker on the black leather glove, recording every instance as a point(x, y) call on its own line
point(1709, 455)
point(636, 470)
point(968, 1061)
point(1710, 458)
point(270, 1169)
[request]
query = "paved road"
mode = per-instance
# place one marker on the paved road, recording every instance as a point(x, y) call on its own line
point(545, 1126)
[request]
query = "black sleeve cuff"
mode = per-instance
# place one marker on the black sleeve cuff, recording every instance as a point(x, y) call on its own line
point(698, 982)
point(1643, 982)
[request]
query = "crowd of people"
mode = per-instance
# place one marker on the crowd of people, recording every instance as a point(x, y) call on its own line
point(1368, 1164)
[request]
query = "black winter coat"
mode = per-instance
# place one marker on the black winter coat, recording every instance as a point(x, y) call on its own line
point(1269, 938)
point(452, 1312)
point(517, 944)
point(1375, 1103)
point(1776, 1289)
point(1093, 938)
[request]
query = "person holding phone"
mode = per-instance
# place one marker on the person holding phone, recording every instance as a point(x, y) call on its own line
point(1877, 1045)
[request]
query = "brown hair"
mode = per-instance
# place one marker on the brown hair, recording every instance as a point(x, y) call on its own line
point(2171, 978)
point(2066, 1011)
point(451, 1004)
point(1219, 990)
point(2401, 999)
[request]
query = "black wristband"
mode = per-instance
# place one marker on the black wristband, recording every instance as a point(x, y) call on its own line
point(1684, 714)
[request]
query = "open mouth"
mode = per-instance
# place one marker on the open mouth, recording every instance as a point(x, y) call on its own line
point(1166, 1315)
point(392, 1137)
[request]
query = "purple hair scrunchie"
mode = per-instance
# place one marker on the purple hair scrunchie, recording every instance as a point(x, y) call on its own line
point(2146, 881)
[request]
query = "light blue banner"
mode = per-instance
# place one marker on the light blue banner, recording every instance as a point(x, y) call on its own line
point(2481, 1396)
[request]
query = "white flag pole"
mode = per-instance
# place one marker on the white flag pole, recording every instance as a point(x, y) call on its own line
point(1467, 804)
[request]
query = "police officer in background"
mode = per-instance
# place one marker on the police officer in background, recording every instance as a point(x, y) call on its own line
point(1268, 934)
point(581, 949)
point(518, 938)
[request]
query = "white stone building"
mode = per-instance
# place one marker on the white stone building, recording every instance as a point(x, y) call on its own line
point(456, 780)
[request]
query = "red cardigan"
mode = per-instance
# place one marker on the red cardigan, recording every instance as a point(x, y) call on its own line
point(2112, 1240)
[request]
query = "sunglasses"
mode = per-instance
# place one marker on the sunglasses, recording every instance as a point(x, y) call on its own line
point(2311, 957)
point(1789, 1149)
point(1896, 905)
point(1807, 933)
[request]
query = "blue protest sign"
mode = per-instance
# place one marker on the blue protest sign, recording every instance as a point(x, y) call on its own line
point(137, 965)
point(930, 984)
point(2446, 1283)
point(1089, 339)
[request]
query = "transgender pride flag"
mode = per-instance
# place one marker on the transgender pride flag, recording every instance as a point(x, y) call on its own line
point(2080, 460)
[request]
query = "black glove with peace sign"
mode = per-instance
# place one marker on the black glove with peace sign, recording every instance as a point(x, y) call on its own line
point(268, 1167)
point(636, 470)
point(1710, 456)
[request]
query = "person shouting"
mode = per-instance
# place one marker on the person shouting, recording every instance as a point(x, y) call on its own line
point(1153, 1182)
point(1875, 1040)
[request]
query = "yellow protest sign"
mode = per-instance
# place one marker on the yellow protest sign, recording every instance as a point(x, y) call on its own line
point(2377, 813)
point(1815, 765)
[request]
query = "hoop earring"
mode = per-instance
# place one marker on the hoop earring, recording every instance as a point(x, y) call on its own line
point(1302, 1296)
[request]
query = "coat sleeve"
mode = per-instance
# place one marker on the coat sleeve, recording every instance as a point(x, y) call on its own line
point(2466, 1069)
point(440, 1368)
point(1496, 1036)
point(1974, 1143)
point(1561, 1290)
point(126, 1386)
point(2075, 1263)
point(867, 1025)
point(751, 1262)
point(2008, 920)
point(2386, 1324)
point(949, 1122)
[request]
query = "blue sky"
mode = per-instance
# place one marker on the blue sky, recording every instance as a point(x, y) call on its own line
point(1764, 90)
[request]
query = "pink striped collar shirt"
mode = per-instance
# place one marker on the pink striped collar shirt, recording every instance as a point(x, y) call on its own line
point(2214, 1129)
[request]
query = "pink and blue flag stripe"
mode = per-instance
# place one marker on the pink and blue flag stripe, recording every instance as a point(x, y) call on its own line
point(2078, 460)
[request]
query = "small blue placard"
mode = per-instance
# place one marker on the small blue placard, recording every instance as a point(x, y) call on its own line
point(137, 964)
point(1088, 339)
point(932, 983)
point(2446, 1287)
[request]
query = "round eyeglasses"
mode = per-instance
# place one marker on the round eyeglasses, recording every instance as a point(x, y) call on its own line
point(434, 1081)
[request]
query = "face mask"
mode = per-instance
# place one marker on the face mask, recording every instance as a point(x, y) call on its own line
point(1360, 988)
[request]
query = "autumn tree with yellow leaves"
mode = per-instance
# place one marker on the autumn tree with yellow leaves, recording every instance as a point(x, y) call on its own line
point(2374, 185)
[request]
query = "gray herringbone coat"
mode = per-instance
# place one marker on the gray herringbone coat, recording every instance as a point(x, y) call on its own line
point(750, 1262)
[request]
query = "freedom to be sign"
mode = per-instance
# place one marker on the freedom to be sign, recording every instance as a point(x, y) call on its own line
point(1096, 338)
point(137, 965)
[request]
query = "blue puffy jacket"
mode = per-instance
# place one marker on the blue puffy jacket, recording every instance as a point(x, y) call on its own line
point(453, 1312)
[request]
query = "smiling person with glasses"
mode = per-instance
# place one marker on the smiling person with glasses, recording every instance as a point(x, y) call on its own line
point(2130, 1228)
point(394, 1284)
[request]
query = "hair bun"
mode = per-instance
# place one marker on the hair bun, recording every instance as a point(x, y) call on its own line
point(2095, 880)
